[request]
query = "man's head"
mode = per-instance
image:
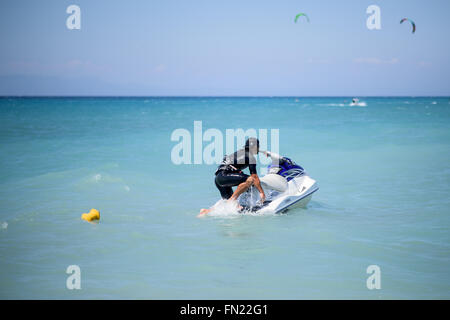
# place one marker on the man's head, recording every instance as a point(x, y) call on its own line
point(252, 145)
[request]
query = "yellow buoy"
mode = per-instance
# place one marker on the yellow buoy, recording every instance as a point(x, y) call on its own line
point(94, 214)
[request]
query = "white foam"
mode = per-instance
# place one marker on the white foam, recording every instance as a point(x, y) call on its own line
point(4, 225)
point(333, 104)
point(358, 104)
point(105, 178)
point(230, 209)
point(224, 208)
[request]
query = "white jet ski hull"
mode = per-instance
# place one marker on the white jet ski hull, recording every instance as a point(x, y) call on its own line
point(298, 193)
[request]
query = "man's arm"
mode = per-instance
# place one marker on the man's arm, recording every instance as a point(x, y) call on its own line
point(257, 184)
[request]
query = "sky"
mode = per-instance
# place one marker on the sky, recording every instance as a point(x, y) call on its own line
point(224, 48)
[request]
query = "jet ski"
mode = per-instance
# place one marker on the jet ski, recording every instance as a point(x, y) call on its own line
point(356, 103)
point(286, 186)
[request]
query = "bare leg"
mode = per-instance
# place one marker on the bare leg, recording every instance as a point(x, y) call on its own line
point(203, 212)
point(241, 188)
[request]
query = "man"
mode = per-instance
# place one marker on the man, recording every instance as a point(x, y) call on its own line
point(229, 173)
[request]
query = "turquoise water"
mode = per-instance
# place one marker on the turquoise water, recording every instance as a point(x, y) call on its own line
point(383, 171)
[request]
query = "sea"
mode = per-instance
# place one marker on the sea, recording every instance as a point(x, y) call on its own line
point(378, 227)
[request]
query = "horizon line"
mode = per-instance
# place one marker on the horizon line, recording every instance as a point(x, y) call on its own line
point(220, 96)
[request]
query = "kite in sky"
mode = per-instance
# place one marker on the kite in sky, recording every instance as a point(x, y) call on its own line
point(299, 15)
point(412, 23)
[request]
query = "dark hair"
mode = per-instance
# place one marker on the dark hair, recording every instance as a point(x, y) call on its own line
point(251, 142)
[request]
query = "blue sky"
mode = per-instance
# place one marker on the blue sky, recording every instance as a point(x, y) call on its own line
point(224, 48)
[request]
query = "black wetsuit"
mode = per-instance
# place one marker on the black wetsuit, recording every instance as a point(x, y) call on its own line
point(229, 173)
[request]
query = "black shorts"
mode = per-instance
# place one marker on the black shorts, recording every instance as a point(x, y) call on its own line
point(225, 180)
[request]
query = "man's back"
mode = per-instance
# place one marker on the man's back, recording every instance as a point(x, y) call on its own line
point(238, 161)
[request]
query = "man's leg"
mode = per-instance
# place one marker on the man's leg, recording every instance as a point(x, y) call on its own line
point(225, 192)
point(242, 188)
point(203, 212)
point(239, 179)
